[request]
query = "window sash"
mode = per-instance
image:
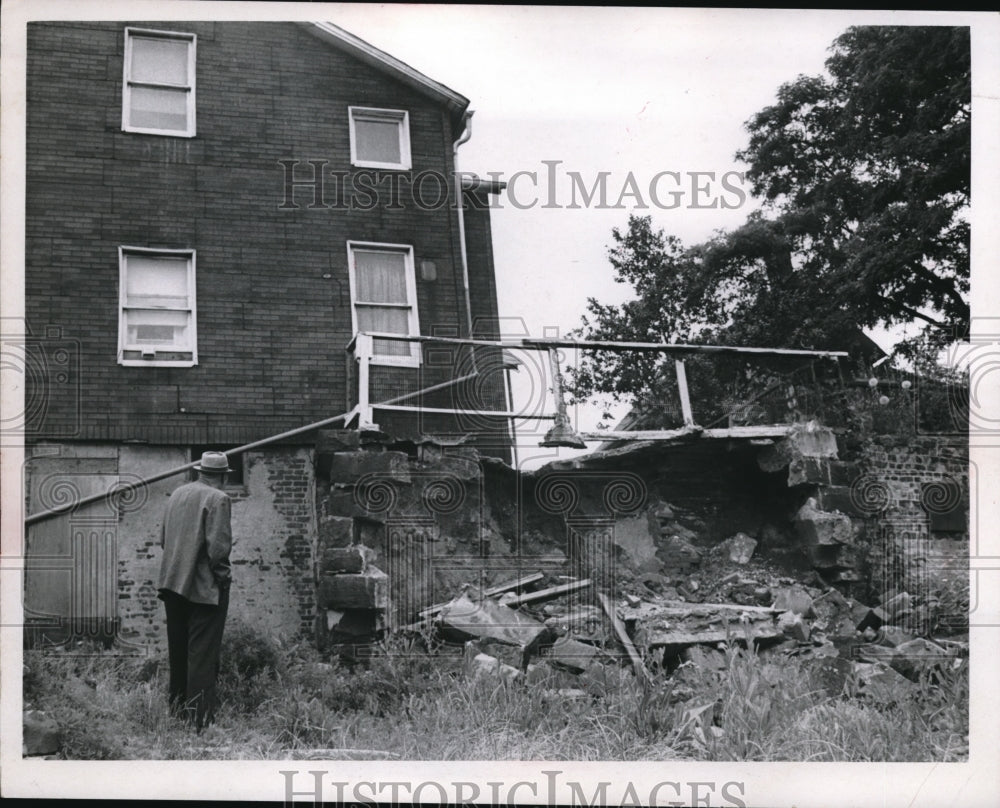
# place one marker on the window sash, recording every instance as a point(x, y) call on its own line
point(158, 90)
point(157, 306)
point(372, 141)
point(383, 299)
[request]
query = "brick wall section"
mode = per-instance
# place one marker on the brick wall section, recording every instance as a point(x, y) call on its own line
point(907, 554)
point(271, 327)
point(291, 480)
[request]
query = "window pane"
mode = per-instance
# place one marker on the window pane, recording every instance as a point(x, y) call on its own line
point(158, 109)
point(156, 282)
point(159, 61)
point(380, 277)
point(167, 329)
point(377, 141)
point(387, 321)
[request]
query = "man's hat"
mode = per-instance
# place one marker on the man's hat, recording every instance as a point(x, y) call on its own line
point(213, 463)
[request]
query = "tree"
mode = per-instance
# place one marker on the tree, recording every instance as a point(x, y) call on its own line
point(865, 178)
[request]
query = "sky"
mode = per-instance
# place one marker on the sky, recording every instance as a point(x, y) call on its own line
point(630, 92)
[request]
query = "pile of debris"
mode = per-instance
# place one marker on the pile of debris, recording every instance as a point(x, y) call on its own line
point(538, 622)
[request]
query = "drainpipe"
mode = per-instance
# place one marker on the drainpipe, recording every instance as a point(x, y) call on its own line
point(464, 138)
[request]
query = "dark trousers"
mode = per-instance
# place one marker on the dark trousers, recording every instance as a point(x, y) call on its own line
point(194, 640)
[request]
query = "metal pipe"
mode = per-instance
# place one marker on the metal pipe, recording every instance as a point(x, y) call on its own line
point(597, 345)
point(43, 515)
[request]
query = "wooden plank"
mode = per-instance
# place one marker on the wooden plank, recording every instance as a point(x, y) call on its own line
point(734, 432)
point(499, 589)
point(675, 608)
point(736, 631)
point(548, 594)
point(640, 668)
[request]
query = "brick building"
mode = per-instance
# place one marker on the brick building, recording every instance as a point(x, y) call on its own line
point(214, 211)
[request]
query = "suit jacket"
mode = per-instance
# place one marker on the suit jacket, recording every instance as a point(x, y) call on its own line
point(196, 537)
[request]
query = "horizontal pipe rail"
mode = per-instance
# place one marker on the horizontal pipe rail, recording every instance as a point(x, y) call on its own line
point(601, 345)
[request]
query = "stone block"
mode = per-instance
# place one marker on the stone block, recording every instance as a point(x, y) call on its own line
point(349, 467)
point(739, 548)
point(814, 526)
point(341, 501)
point(484, 664)
point(842, 472)
point(678, 555)
point(813, 440)
point(809, 471)
point(369, 590)
point(835, 556)
point(335, 532)
point(341, 559)
point(337, 440)
point(829, 673)
point(794, 599)
point(838, 498)
point(41, 734)
point(793, 627)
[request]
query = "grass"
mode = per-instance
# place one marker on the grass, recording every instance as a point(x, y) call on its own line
point(284, 702)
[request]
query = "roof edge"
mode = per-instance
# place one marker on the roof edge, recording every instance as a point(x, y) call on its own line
point(369, 54)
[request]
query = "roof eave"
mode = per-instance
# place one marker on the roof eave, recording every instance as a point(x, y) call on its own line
point(456, 103)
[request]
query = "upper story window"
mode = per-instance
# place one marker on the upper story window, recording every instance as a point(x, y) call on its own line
point(156, 307)
point(380, 138)
point(384, 298)
point(158, 89)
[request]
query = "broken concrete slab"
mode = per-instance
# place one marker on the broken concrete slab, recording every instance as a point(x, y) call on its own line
point(919, 655)
point(571, 655)
point(466, 619)
point(341, 591)
point(880, 683)
point(794, 599)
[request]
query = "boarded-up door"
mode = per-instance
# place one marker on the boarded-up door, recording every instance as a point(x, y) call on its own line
point(72, 559)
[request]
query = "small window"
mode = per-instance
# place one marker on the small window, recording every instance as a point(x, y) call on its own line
point(380, 138)
point(156, 307)
point(384, 297)
point(158, 89)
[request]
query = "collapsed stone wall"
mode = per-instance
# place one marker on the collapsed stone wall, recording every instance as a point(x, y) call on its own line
point(404, 526)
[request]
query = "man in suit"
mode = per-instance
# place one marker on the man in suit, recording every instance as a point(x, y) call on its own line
point(194, 586)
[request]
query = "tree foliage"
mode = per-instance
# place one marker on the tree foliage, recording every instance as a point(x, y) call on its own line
point(864, 175)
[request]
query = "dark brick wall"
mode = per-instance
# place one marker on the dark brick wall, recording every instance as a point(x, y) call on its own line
point(271, 327)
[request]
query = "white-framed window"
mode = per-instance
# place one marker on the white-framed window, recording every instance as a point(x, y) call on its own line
point(158, 88)
point(380, 138)
point(157, 317)
point(384, 298)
